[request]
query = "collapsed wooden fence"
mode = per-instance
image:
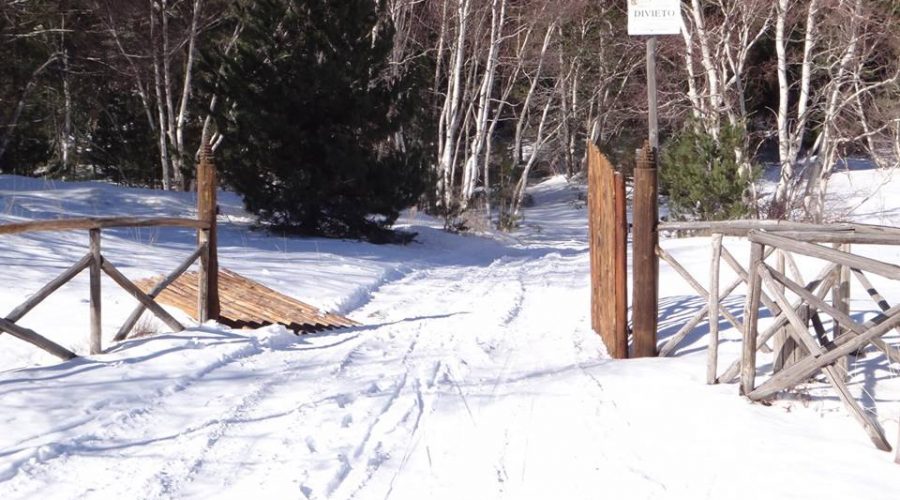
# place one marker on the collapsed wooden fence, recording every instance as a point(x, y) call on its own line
point(801, 345)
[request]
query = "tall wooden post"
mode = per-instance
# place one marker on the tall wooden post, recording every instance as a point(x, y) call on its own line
point(621, 266)
point(645, 307)
point(208, 286)
point(96, 330)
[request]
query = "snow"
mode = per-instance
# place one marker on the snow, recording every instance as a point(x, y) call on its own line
point(474, 375)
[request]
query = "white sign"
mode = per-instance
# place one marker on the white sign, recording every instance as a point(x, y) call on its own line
point(654, 17)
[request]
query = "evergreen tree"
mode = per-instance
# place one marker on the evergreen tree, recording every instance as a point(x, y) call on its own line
point(701, 175)
point(312, 118)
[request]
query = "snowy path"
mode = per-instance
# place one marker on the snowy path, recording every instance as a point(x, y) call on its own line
point(475, 377)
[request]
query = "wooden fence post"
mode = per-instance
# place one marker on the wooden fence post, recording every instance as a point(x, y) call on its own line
point(207, 184)
point(751, 317)
point(96, 261)
point(712, 362)
point(840, 296)
point(645, 306)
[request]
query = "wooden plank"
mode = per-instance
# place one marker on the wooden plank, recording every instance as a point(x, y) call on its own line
point(33, 338)
point(842, 237)
point(645, 263)
point(751, 317)
point(840, 297)
point(594, 233)
point(163, 283)
point(89, 223)
point(245, 302)
point(829, 254)
point(54, 285)
point(621, 266)
point(140, 296)
point(742, 227)
point(96, 259)
point(675, 340)
point(701, 292)
point(712, 357)
point(834, 374)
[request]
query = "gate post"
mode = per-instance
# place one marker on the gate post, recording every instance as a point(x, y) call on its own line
point(645, 270)
point(208, 286)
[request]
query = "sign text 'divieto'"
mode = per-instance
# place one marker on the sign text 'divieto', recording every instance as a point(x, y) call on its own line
point(654, 17)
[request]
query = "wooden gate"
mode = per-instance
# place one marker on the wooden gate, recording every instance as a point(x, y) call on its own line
point(608, 238)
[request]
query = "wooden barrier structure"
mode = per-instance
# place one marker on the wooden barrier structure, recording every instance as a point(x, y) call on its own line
point(608, 226)
point(96, 263)
point(802, 346)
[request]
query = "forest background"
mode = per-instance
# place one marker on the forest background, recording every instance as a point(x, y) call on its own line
point(330, 116)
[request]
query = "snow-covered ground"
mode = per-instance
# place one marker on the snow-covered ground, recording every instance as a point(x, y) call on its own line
point(475, 375)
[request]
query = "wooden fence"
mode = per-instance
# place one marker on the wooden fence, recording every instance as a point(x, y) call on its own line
point(608, 228)
point(801, 344)
point(96, 263)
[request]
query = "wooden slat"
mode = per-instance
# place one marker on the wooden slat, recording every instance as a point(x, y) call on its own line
point(140, 296)
point(54, 285)
point(99, 223)
point(153, 293)
point(695, 320)
point(33, 338)
point(829, 254)
point(247, 303)
point(742, 227)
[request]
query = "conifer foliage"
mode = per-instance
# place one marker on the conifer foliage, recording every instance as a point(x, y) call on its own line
point(313, 118)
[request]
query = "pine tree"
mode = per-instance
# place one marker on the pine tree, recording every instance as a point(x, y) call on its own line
point(311, 116)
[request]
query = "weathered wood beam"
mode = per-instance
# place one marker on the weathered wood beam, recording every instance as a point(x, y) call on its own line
point(742, 227)
point(829, 254)
point(100, 223)
point(845, 345)
point(841, 317)
point(33, 338)
point(751, 317)
point(712, 356)
point(96, 329)
point(140, 296)
point(54, 285)
point(157, 289)
point(695, 320)
point(819, 286)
